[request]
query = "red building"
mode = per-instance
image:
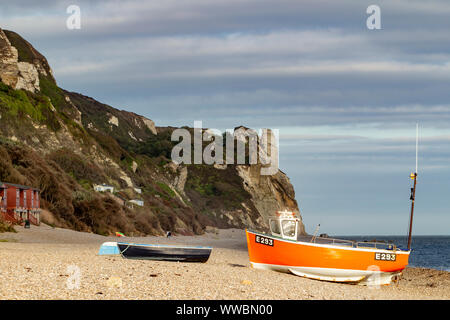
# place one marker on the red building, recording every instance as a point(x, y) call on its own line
point(3, 199)
point(19, 203)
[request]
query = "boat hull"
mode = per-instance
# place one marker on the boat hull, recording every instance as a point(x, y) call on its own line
point(325, 261)
point(164, 252)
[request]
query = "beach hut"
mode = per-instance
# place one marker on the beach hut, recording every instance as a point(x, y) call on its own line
point(3, 198)
point(33, 205)
point(15, 205)
point(19, 203)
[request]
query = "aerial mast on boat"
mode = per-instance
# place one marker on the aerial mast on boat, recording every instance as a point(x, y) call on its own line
point(413, 176)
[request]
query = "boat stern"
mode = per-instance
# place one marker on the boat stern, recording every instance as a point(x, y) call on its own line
point(109, 249)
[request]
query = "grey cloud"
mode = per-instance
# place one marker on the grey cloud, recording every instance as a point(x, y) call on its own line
point(265, 63)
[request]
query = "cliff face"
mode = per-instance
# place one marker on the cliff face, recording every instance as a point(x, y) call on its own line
point(21, 69)
point(269, 193)
point(64, 142)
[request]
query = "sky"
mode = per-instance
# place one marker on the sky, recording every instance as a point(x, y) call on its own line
point(346, 99)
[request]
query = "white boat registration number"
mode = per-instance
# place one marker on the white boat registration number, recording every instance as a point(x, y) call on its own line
point(264, 240)
point(385, 256)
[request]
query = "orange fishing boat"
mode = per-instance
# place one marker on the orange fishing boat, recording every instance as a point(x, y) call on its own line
point(324, 258)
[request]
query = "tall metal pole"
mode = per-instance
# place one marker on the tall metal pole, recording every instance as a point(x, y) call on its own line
point(413, 194)
point(413, 197)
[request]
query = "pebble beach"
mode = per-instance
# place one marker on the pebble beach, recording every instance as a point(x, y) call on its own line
point(52, 263)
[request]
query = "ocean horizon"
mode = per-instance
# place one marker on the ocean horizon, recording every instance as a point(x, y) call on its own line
point(427, 251)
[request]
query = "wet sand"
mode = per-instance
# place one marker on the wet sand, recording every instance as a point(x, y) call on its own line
point(52, 263)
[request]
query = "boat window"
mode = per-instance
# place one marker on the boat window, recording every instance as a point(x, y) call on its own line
point(289, 228)
point(275, 227)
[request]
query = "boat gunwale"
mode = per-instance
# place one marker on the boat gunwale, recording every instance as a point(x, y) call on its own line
point(334, 246)
point(165, 246)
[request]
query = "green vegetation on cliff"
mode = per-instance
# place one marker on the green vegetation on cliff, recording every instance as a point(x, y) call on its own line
point(17, 105)
point(63, 143)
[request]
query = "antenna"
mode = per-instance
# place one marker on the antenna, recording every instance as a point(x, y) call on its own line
point(417, 144)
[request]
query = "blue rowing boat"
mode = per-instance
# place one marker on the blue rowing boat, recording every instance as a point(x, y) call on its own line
point(159, 252)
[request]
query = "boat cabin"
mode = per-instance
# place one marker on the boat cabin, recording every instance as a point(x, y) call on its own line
point(285, 225)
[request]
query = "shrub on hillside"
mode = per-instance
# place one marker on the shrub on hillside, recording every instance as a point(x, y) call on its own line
point(76, 166)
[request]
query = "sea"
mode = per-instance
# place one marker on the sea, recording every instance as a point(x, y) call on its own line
point(426, 251)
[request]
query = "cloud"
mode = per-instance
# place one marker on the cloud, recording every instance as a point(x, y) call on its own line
point(346, 99)
point(309, 74)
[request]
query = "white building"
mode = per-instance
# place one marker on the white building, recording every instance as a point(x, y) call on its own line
point(138, 190)
point(103, 188)
point(137, 202)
